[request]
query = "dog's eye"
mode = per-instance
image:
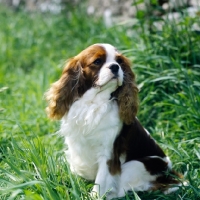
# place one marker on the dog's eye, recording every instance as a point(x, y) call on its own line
point(98, 61)
point(119, 61)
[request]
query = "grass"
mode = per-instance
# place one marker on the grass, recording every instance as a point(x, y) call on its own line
point(34, 47)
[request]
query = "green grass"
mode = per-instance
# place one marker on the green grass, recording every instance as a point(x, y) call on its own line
point(33, 49)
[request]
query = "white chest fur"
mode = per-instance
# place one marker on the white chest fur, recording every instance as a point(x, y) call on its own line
point(90, 128)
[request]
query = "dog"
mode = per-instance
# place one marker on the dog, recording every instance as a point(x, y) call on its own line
point(96, 99)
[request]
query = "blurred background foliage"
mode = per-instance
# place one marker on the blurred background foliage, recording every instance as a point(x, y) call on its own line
point(163, 43)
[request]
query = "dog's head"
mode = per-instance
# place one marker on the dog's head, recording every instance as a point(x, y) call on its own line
point(99, 65)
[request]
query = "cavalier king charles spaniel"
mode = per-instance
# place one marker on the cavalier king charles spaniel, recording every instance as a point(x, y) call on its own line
point(96, 99)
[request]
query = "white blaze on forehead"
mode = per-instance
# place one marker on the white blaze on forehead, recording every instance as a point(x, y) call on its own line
point(106, 74)
point(110, 52)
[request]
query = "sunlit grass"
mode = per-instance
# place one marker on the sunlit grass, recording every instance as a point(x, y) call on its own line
point(33, 50)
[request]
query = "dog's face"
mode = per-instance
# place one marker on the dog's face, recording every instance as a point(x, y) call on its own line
point(99, 65)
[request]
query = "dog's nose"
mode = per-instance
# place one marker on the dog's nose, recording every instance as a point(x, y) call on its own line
point(114, 68)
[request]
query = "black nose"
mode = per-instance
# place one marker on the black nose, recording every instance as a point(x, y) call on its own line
point(114, 68)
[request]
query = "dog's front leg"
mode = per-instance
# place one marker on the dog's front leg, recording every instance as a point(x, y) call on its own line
point(105, 183)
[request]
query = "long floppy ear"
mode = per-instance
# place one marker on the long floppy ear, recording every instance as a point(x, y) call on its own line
point(66, 90)
point(127, 95)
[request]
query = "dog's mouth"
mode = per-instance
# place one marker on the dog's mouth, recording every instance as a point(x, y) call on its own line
point(115, 79)
point(119, 81)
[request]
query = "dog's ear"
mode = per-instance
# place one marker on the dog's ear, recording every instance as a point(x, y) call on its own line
point(66, 90)
point(127, 94)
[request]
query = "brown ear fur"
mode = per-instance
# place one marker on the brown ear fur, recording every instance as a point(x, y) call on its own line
point(66, 90)
point(127, 95)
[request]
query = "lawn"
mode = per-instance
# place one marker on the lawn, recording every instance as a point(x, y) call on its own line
point(33, 49)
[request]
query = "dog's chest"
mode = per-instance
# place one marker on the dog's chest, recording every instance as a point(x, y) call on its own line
point(90, 129)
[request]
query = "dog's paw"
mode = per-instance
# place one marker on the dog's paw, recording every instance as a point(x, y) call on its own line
point(94, 195)
point(111, 195)
point(95, 192)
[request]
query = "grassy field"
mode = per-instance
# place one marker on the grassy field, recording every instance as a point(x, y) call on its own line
point(33, 48)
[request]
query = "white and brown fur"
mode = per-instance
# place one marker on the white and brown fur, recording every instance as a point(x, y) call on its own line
point(96, 99)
